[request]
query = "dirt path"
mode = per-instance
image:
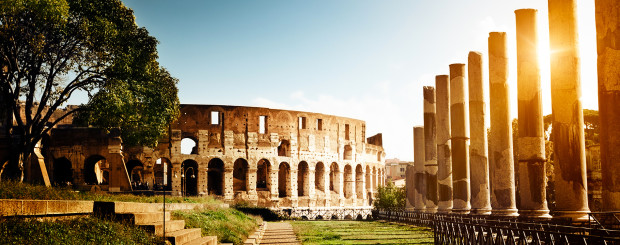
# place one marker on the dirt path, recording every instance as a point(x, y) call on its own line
point(279, 233)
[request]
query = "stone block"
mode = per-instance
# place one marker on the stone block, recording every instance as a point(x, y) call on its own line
point(10, 207)
point(57, 207)
point(34, 207)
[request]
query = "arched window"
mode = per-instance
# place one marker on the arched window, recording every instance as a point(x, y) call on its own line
point(215, 177)
point(319, 177)
point(284, 180)
point(284, 149)
point(240, 175)
point(92, 169)
point(189, 177)
point(303, 182)
point(263, 181)
point(348, 152)
point(189, 146)
point(63, 172)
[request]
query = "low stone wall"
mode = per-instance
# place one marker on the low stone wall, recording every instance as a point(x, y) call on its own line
point(133, 207)
point(16, 207)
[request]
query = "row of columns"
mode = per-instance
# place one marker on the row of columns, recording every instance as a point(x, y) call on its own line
point(455, 168)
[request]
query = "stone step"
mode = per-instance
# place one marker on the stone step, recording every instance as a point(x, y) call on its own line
point(208, 240)
point(143, 218)
point(183, 236)
point(158, 227)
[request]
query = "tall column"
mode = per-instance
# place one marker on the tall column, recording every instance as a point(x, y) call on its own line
point(418, 165)
point(607, 35)
point(571, 197)
point(459, 123)
point(501, 165)
point(532, 178)
point(430, 149)
point(478, 152)
point(410, 188)
point(444, 157)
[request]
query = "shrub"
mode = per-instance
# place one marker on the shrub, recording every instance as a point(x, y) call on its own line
point(390, 197)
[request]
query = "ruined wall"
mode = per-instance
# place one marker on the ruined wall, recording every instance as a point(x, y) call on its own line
point(274, 158)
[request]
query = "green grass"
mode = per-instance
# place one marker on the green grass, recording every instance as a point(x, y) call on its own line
point(229, 225)
point(89, 230)
point(16, 190)
point(360, 232)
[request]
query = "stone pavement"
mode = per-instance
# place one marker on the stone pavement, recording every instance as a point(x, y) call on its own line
point(279, 233)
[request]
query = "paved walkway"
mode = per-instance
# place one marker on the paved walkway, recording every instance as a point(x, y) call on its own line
point(279, 233)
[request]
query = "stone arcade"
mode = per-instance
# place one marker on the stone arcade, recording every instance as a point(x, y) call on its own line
point(304, 164)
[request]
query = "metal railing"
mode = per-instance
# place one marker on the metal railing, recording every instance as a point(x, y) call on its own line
point(484, 229)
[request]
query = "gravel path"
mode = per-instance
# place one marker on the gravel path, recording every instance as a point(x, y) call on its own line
point(279, 233)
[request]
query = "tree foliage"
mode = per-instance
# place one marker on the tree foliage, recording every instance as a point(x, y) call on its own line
point(50, 49)
point(390, 197)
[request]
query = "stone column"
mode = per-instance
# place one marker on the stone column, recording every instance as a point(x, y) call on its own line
point(568, 139)
point(478, 151)
point(532, 178)
point(444, 157)
point(251, 184)
point(607, 35)
point(228, 184)
point(430, 149)
point(410, 188)
point(273, 184)
point(459, 123)
point(420, 183)
point(501, 165)
point(203, 173)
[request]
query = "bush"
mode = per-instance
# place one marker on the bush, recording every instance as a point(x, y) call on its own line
point(89, 230)
point(390, 197)
point(265, 213)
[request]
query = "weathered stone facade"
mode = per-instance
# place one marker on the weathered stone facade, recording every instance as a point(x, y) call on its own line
point(273, 158)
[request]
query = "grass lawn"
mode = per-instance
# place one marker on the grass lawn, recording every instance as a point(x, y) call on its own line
point(360, 232)
point(229, 225)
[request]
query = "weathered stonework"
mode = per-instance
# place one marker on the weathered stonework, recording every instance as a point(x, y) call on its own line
point(459, 122)
point(274, 158)
point(430, 149)
point(568, 136)
point(608, 36)
point(478, 156)
point(420, 176)
point(444, 146)
point(532, 178)
point(501, 161)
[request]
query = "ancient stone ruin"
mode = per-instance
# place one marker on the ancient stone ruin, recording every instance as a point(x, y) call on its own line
point(308, 164)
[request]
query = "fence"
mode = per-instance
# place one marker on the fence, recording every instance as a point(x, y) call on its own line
point(484, 229)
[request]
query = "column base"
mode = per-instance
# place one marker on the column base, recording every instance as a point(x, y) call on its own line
point(461, 211)
point(444, 211)
point(505, 212)
point(481, 211)
point(431, 210)
point(575, 216)
point(537, 214)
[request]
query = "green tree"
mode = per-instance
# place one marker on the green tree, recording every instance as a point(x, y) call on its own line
point(50, 49)
point(390, 197)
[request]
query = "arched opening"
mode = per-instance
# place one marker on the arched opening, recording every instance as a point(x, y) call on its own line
point(284, 149)
point(163, 174)
point(368, 178)
point(189, 177)
point(359, 181)
point(189, 146)
point(92, 170)
point(284, 180)
point(63, 172)
point(348, 217)
point(319, 177)
point(240, 175)
point(374, 178)
point(106, 177)
point(319, 217)
point(334, 217)
point(303, 182)
point(135, 169)
point(359, 217)
point(334, 178)
point(348, 152)
point(348, 181)
point(263, 182)
point(215, 177)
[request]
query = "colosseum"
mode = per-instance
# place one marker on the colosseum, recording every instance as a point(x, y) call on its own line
point(302, 164)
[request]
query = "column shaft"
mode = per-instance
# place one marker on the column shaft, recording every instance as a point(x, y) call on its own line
point(459, 123)
point(608, 36)
point(569, 144)
point(420, 183)
point(532, 177)
point(501, 166)
point(430, 149)
point(444, 157)
point(480, 197)
point(410, 187)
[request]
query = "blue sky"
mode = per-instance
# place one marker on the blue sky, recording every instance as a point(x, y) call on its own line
point(357, 58)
